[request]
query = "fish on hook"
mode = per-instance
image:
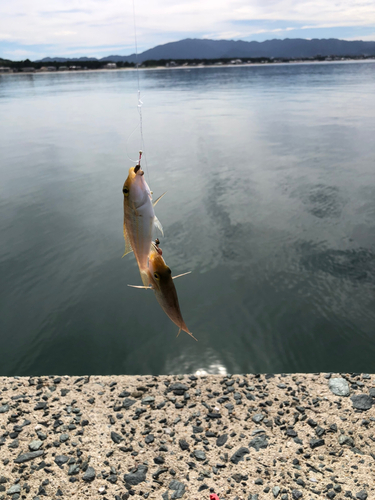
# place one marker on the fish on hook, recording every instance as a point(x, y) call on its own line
point(139, 218)
point(160, 280)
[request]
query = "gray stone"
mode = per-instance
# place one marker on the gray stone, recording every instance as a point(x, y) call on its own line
point(259, 442)
point(339, 386)
point(148, 400)
point(346, 440)
point(61, 460)
point(35, 445)
point(128, 403)
point(257, 418)
point(239, 454)
point(315, 443)
point(41, 435)
point(116, 438)
point(14, 444)
point(136, 477)
point(184, 445)
point(16, 488)
point(362, 402)
point(200, 455)
point(276, 491)
point(372, 392)
point(73, 470)
point(178, 389)
point(296, 494)
point(64, 438)
point(221, 440)
point(28, 456)
point(89, 475)
point(361, 495)
point(150, 438)
point(197, 429)
point(4, 408)
point(178, 489)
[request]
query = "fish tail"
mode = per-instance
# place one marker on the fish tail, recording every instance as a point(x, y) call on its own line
point(187, 331)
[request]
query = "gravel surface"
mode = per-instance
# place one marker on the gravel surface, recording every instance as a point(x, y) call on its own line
point(243, 437)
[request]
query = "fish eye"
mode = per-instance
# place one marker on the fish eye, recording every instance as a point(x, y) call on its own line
point(125, 191)
point(169, 270)
point(156, 276)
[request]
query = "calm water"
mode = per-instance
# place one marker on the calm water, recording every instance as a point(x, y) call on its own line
point(270, 180)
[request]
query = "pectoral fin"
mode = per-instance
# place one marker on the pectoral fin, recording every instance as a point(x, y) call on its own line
point(140, 286)
point(179, 275)
point(158, 199)
point(128, 247)
point(158, 225)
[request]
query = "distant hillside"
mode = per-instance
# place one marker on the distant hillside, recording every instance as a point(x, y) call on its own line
point(66, 59)
point(295, 48)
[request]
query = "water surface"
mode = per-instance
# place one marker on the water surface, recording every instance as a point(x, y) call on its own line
point(270, 180)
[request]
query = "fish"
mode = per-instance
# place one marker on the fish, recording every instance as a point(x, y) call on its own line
point(160, 280)
point(139, 218)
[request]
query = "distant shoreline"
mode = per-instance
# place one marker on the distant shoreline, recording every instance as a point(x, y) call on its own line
point(198, 66)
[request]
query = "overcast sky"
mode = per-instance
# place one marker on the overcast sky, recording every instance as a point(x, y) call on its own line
point(37, 28)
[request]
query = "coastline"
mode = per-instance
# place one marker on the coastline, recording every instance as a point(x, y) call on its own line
point(189, 68)
point(254, 436)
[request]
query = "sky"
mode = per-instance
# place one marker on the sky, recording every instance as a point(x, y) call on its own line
point(33, 29)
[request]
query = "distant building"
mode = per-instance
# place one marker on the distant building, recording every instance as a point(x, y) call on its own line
point(51, 68)
point(110, 66)
point(5, 69)
point(63, 68)
point(74, 68)
point(236, 61)
point(171, 64)
point(28, 70)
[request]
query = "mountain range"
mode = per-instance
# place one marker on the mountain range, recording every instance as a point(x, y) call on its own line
point(194, 48)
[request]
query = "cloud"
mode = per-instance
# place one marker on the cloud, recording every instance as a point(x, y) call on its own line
point(67, 26)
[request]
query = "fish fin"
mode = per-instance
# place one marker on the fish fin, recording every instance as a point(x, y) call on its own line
point(128, 247)
point(139, 286)
point(179, 331)
point(158, 225)
point(158, 199)
point(179, 275)
point(145, 279)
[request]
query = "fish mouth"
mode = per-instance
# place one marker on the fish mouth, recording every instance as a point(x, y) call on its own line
point(137, 169)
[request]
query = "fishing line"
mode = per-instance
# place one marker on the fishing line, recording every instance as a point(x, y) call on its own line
point(140, 103)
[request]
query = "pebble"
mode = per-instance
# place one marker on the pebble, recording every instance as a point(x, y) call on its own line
point(361, 402)
point(137, 476)
point(178, 489)
point(221, 440)
point(35, 445)
point(296, 494)
point(339, 386)
point(276, 491)
point(257, 418)
point(16, 488)
point(25, 457)
point(116, 438)
point(200, 455)
point(315, 443)
point(259, 442)
point(239, 455)
point(362, 495)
